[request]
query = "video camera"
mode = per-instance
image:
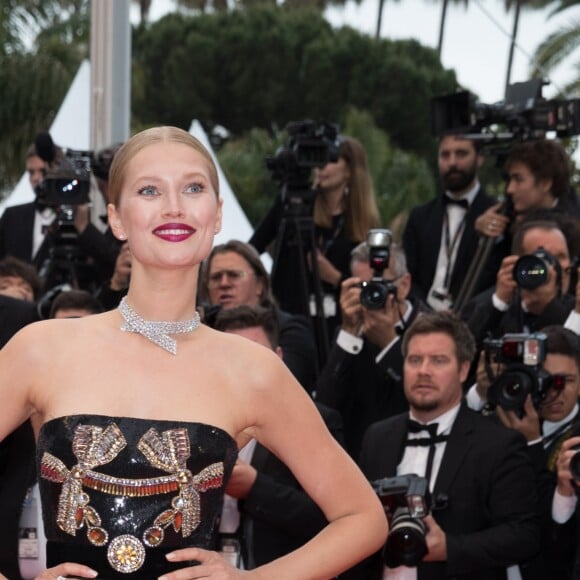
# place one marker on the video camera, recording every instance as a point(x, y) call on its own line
point(67, 180)
point(374, 294)
point(523, 356)
point(525, 114)
point(406, 501)
point(309, 145)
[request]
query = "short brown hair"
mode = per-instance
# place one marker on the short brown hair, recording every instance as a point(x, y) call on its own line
point(445, 322)
point(547, 160)
point(245, 316)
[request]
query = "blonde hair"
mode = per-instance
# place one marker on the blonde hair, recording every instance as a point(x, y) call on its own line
point(151, 137)
point(361, 211)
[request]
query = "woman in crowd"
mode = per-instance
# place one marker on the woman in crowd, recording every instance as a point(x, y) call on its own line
point(140, 411)
point(343, 210)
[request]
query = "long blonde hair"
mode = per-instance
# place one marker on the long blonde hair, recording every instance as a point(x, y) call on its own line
point(361, 211)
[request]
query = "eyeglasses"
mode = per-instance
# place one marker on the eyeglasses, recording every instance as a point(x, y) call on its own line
point(233, 277)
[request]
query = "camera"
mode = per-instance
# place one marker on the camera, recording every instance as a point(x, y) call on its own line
point(532, 270)
point(374, 293)
point(406, 501)
point(523, 356)
point(309, 145)
point(525, 113)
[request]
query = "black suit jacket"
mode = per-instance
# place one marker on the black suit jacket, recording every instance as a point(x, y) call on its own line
point(422, 240)
point(362, 390)
point(16, 451)
point(485, 490)
point(277, 516)
point(16, 227)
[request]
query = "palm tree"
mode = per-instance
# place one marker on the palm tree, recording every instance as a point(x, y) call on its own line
point(557, 47)
point(443, 20)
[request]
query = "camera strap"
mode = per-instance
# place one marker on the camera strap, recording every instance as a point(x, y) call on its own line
point(325, 242)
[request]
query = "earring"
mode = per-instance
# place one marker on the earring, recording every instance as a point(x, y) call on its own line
point(346, 190)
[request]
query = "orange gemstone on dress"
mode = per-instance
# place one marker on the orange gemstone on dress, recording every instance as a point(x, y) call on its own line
point(79, 516)
point(153, 536)
point(164, 518)
point(92, 516)
point(97, 536)
point(177, 521)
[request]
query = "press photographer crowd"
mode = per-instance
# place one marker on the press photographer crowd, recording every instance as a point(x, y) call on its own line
point(445, 359)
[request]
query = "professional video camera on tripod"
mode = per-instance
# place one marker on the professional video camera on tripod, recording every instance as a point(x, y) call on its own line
point(295, 283)
point(66, 186)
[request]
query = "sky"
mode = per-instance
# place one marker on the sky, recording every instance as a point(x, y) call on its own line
point(476, 40)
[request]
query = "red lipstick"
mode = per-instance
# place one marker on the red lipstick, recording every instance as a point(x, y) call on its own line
point(174, 232)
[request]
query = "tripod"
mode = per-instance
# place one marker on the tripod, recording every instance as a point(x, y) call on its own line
point(293, 283)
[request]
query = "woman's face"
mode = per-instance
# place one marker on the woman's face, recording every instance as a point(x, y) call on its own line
point(333, 175)
point(168, 210)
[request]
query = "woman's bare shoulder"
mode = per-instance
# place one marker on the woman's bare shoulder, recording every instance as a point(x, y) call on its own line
point(46, 336)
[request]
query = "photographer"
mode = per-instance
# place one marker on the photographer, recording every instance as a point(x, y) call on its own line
point(546, 417)
point(363, 375)
point(481, 480)
point(344, 209)
point(525, 298)
point(53, 233)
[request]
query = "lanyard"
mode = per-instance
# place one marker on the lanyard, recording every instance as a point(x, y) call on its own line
point(450, 244)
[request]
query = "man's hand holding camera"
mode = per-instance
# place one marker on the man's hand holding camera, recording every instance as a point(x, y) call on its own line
point(377, 326)
point(528, 424)
point(506, 285)
point(436, 541)
point(350, 306)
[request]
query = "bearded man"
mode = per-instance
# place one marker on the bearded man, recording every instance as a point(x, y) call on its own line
point(440, 240)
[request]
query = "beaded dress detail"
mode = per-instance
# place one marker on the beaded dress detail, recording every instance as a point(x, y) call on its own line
point(119, 493)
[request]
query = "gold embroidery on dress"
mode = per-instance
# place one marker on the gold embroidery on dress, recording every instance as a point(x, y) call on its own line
point(167, 452)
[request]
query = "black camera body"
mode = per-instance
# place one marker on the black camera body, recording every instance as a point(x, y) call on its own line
point(406, 501)
point(523, 356)
point(309, 145)
point(374, 293)
point(532, 270)
point(68, 181)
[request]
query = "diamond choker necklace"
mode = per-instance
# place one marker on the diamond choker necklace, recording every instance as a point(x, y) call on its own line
point(156, 332)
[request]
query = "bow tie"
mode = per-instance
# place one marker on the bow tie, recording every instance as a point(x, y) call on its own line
point(415, 427)
point(447, 200)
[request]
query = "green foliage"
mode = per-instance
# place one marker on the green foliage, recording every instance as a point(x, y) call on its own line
point(43, 44)
point(266, 66)
point(401, 179)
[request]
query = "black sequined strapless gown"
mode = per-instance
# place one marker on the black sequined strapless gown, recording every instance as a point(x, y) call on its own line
point(119, 493)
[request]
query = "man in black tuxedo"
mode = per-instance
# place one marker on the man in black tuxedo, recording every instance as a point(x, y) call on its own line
point(480, 475)
point(29, 232)
point(439, 239)
point(362, 378)
point(509, 308)
point(16, 451)
point(277, 516)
